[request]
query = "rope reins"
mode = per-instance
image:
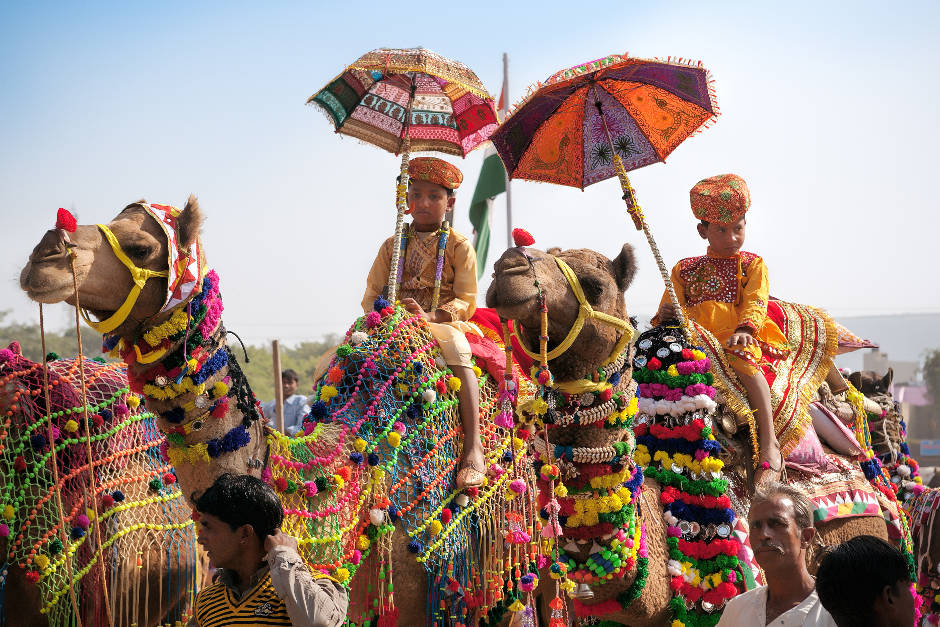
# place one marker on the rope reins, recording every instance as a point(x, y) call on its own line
point(140, 277)
point(585, 312)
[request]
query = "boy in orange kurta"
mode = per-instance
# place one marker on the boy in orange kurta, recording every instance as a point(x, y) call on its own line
point(726, 291)
point(430, 194)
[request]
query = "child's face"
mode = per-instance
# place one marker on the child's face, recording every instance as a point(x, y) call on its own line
point(724, 239)
point(428, 202)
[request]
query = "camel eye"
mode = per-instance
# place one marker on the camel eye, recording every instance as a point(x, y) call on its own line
point(138, 251)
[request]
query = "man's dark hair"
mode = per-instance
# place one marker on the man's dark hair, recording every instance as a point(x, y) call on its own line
point(854, 573)
point(289, 375)
point(243, 500)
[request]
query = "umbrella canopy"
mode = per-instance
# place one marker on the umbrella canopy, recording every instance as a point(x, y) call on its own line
point(450, 110)
point(567, 130)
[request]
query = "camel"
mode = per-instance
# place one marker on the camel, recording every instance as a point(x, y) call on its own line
point(512, 294)
point(148, 570)
point(178, 359)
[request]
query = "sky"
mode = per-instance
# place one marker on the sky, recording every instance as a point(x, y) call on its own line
point(828, 110)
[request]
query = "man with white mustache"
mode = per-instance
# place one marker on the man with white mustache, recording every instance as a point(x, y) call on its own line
point(781, 530)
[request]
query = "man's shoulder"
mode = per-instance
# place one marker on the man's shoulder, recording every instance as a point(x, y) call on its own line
point(745, 601)
point(458, 238)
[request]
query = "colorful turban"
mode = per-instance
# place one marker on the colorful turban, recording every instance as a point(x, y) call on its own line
point(434, 170)
point(722, 199)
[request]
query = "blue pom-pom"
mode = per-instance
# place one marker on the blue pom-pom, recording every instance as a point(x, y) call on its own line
point(373, 459)
point(418, 367)
point(213, 448)
point(319, 410)
point(393, 513)
point(507, 456)
point(414, 547)
point(175, 415)
point(118, 496)
point(563, 520)
point(905, 448)
point(106, 414)
point(380, 304)
point(614, 379)
point(414, 411)
point(77, 532)
point(527, 578)
point(543, 514)
point(356, 457)
point(37, 441)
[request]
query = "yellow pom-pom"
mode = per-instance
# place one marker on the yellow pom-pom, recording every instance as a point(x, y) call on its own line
point(394, 438)
point(90, 513)
point(677, 623)
point(132, 401)
point(338, 482)
point(919, 480)
point(327, 392)
point(453, 384)
point(42, 561)
point(342, 574)
point(219, 389)
point(435, 527)
point(71, 426)
point(567, 585)
point(378, 473)
point(672, 371)
point(8, 512)
point(516, 606)
point(518, 444)
point(477, 371)
point(561, 491)
point(362, 543)
point(192, 364)
point(359, 445)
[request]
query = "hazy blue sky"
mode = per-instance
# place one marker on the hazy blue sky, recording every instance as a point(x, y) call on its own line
point(829, 110)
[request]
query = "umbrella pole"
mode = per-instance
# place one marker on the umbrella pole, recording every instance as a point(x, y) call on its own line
point(639, 220)
point(401, 203)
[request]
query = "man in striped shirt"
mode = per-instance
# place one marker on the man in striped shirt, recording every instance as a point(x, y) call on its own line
point(261, 579)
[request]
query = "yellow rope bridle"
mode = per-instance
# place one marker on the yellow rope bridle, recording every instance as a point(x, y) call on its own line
point(139, 275)
point(585, 312)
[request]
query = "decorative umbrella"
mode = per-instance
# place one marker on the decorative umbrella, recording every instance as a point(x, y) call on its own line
point(405, 100)
point(600, 119)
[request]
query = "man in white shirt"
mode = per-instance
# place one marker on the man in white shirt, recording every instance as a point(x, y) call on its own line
point(295, 405)
point(781, 529)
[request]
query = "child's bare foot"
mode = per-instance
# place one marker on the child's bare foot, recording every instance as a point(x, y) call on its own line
point(770, 466)
point(472, 467)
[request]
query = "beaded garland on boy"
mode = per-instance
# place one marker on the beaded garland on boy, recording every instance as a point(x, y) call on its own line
point(676, 447)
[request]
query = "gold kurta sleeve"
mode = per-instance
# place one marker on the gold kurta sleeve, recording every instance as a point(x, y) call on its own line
point(378, 275)
point(755, 292)
point(463, 260)
point(678, 286)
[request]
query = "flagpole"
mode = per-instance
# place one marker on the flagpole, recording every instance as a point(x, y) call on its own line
point(504, 111)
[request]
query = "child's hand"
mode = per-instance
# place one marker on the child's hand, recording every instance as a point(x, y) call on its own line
point(741, 338)
point(412, 307)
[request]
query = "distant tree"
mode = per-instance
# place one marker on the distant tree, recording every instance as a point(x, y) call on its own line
point(64, 343)
point(932, 374)
point(302, 358)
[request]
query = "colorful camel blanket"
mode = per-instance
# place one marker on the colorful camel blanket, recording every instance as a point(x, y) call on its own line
point(813, 338)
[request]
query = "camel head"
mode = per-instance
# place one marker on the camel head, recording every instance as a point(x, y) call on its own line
point(514, 294)
point(104, 281)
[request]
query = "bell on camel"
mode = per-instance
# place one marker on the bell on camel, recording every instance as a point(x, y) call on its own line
point(583, 592)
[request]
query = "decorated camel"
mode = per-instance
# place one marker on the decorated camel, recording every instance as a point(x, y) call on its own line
point(367, 489)
point(515, 294)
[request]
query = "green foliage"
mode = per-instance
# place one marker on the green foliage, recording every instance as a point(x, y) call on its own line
point(302, 358)
point(64, 343)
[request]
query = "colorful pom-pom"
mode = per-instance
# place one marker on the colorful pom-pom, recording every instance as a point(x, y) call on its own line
point(335, 375)
point(65, 220)
point(107, 500)
point(453, 384)
point(342, 574)
point(118, 496)
point(327, 392)
point(71, 426)
point(8, 512)
point(413, 546)
point(436, 527)
point(521, 237)
point(373, 319)
point(19, 464)
point(4, 530)
point(32, 576)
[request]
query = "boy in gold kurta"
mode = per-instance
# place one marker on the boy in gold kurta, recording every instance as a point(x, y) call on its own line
point(726, 291)
point(430, 194)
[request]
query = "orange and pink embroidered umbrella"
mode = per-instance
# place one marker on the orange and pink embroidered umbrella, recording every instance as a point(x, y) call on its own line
point(603, 118)
point(409, 100)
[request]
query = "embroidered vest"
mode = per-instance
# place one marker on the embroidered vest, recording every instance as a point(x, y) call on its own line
point(216, 606)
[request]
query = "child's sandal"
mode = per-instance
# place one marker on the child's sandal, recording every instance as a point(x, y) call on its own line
point(469, 477)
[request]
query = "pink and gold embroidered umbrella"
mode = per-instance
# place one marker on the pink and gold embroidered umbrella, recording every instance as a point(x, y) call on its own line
point(600, 119)
point(409, 100)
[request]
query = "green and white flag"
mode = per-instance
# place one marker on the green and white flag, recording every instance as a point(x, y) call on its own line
point(492, 182)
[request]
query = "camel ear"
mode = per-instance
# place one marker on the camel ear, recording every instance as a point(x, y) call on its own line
point(625, 267)
point(553, 251)
point(888, 378)
point(856, 380)
point(188, 223)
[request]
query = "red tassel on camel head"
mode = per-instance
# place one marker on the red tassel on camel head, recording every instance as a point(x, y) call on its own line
point(65, 220)
point(522, 237)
